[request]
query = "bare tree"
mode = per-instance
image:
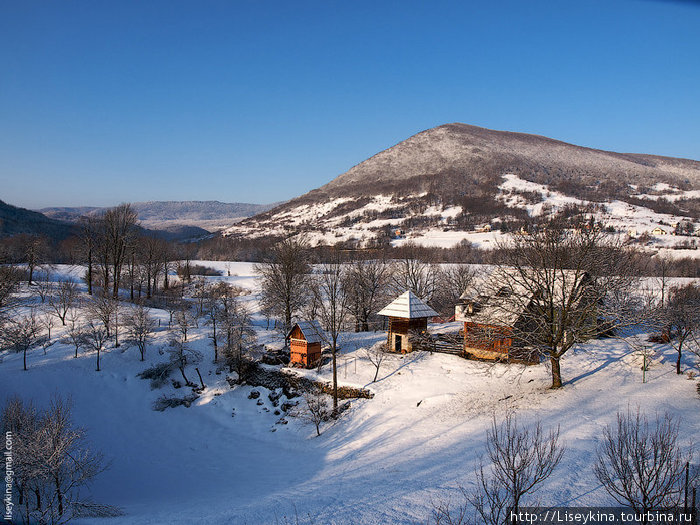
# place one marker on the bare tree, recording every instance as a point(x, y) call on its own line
point(47, 321)
point(682, 315)
point(315, 407)
point(77, 332)
point(376, 354)
point(236, 323)
point(62, 300)
point(101, 308)
point(88, 238)
point(96, 337)
point(284, 279)
point(184, 319)
point(35, 247)
point(520, 459)
point(140, 326)
point(366, 285)
point(453, 279)
point(333, 308)
point(10, 278)
point(181, 355)
point(174, 303)
point(643, 466)
point(42, 284)
point(567, 286)
point(51, 461)
point(415, 274)
point(150, 249)
point(119, 231)
point(212, 309)
point(200, 298)
point(22, 334)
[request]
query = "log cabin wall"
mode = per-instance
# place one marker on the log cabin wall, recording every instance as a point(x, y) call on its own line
point(399, 329)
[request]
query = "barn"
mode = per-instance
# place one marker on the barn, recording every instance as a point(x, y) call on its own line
point(407, 313)
point(305, 339)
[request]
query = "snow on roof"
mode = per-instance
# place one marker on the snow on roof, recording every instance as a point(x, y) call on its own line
point(501, 295)
point(312, 331)
point(408, 306)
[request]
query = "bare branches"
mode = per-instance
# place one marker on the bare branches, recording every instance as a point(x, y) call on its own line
point(366, 286)
point(558, 287)
point(51, 461)
point(315, 408)
point(284, 280)
point(412, 273)
point(641, 465)
point(334, 301)
point(376, 354)
point(682, 317)
point(64, 296)
point(22, 334)
point(96, 336)
point(520, 459)
point(139, 325)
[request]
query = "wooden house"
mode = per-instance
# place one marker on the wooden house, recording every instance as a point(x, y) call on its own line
point(407, 313)
point(497, 308)
point(305, 339)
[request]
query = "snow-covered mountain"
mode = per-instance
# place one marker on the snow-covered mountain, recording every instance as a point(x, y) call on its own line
point(442, 185)
point(165, 215)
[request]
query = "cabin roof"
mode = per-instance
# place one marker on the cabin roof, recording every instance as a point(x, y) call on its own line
point(313, 333)
point(408, 306)
point(501, 295)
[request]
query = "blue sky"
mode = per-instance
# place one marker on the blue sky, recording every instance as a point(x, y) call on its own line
point(259, 101)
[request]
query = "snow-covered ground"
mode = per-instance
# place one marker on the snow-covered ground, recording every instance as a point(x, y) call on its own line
point(383, 462)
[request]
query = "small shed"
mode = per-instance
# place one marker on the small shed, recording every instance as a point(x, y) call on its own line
point(407, 313)
point(305, 340)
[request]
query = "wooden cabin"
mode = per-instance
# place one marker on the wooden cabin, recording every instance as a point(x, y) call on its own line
point(305, 339)
point(407, 314)
point(497, 306)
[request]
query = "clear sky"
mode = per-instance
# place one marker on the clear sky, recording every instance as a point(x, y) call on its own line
point(260, 101)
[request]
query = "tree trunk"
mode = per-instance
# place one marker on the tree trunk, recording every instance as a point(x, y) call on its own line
point(216, 346)
point(98, 360)
point(556, 372)
point(182, 371)
point(335, 381)
point(678, 361)
point(25, 358)
point(89, 271)
point(59, 495)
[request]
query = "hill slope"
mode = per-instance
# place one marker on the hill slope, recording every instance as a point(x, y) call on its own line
point(14, 220)
point(452, 177)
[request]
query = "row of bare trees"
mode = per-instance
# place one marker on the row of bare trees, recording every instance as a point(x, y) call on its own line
point(116, 253)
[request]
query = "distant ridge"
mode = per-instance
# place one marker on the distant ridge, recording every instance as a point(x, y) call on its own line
point(165, 215)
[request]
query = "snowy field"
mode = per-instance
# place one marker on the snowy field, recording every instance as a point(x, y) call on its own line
point(385, 461)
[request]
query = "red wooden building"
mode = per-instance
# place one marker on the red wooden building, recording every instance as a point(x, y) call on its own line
point(305, 339)
point(500, 306)
point(407, 313)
